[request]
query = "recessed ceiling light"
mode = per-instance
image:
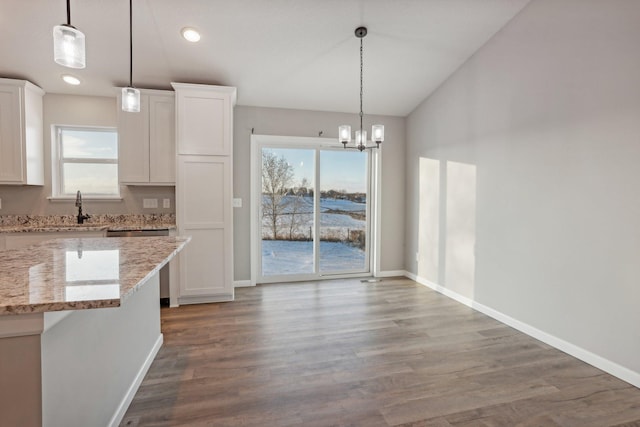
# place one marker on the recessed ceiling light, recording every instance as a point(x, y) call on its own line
point(191, 34)
point(72, 80)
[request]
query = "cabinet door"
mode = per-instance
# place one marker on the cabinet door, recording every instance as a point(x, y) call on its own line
point(33, 142)
point(204, 125)
point(133, 144)
point(162, 137)
point(11, 146)
point(204, 213)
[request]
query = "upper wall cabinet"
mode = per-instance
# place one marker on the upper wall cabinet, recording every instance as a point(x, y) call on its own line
point(146, 140)
point(204, 119)
point(21, 146)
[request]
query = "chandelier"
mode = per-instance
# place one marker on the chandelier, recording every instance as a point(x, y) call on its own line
point(377, 131)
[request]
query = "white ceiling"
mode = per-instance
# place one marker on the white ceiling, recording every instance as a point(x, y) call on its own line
point(299, 54)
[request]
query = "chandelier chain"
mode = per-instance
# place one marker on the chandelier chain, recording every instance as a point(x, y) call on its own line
point(361, 80)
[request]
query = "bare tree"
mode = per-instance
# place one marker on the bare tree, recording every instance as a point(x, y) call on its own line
point(296, 205)
point(277, 174)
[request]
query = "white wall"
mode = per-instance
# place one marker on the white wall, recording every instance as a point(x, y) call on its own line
point(530, 153)
point(94, 360)
point(283, 122)
point(80, 111)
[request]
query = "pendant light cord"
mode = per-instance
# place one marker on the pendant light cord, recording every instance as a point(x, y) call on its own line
point(68, 12)
point(361, 66)
point(130, 43)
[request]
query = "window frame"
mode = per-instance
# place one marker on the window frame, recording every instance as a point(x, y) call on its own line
point(258, 142)
point(58, 162)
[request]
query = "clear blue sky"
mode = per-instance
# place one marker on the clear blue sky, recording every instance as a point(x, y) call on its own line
point(339, 170)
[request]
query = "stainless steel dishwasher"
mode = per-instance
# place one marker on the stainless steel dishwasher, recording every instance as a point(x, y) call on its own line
point(164, 271)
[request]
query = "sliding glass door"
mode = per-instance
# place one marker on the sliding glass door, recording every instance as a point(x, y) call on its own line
point(313, 216)
point(287, 211)
point(343, 211)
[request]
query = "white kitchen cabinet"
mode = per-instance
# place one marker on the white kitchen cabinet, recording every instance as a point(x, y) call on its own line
point(204, 188)
point(21, 145)
point(204, 183)
point(146, 140)
point(205, 119)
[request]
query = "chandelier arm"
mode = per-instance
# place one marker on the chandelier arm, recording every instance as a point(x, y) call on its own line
point(361, 148)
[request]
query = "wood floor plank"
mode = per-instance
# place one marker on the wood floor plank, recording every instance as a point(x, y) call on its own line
point(346, 353)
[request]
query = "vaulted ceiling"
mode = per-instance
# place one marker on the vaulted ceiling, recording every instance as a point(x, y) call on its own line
point(299, 54)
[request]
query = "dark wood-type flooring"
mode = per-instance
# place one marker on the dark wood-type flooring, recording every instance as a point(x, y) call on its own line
point(347, 353)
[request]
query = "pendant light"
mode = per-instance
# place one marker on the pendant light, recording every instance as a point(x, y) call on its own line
point(68, 44)
point(130, 95)
point(377, 131)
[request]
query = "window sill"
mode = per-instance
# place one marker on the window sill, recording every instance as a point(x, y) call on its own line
point(67, 199)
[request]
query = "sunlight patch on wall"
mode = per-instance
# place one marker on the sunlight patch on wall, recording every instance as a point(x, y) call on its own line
point(429, 220)
point(460, 228)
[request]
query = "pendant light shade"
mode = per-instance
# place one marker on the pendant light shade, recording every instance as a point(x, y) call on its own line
point(361, 138)
point(130, 100)
point(68, 44)
point(377, 131)
point(344, 134)
point(130, 95)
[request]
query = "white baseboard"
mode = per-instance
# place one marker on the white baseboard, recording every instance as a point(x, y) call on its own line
point(204, 299)
point(441, 289)
point(133, 388)
point(586, 356)
point(242, 283)
point(391, 273)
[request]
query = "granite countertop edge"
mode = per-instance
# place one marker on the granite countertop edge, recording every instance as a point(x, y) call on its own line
point(83, 227)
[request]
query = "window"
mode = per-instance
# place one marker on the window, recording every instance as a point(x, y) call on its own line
point(87, 160)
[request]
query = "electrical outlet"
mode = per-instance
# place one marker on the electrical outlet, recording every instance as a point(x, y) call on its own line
point(166, 203)
point(149, 203)
point(237, 203)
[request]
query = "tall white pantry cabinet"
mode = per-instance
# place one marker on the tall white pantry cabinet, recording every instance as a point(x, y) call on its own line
point(204, 188)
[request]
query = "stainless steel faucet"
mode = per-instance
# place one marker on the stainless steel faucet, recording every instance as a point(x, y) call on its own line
point(81, 217)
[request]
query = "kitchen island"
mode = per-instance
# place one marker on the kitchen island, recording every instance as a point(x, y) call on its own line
point(79, 327)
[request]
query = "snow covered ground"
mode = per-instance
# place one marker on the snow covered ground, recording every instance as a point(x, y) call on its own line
point(296, 257)
point(291, 257)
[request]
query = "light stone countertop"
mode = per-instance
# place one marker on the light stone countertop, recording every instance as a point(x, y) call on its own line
point(75, 274)
point(60, 223)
